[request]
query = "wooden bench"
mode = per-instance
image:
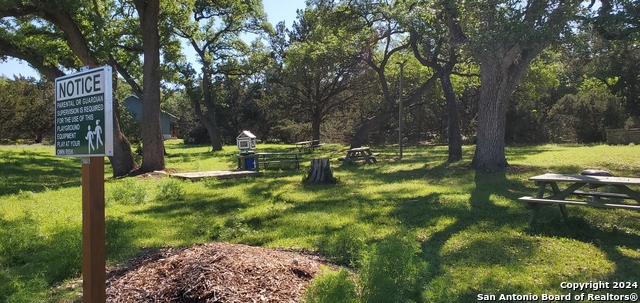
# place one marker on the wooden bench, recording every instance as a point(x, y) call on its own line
point(308, 146)
point(575, 184)
point(359, 154)
point(357, 158)
point(313, 147)
point(528, 199)
point(265, 159)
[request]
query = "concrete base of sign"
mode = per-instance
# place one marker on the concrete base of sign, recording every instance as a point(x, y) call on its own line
point(220, 174)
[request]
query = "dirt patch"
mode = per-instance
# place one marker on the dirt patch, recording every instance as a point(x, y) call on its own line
point(158, 173)
point(215, 272)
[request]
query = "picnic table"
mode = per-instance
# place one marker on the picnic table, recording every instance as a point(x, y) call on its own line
point(615, 193)
point(357, 154)
point(308, 146)
point(270, 158)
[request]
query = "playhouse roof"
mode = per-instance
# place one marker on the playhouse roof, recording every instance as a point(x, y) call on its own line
point(246, 134)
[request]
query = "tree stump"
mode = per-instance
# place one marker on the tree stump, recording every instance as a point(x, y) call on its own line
point(320, 172)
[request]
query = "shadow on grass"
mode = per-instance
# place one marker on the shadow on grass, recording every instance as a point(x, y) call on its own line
point(519, 152)
point(615, 239)
point(193, 203)
point(31, 171)
point(196, 217)
point(481, 209)
point(30, 254)
point(480, 213)
point(119, 237)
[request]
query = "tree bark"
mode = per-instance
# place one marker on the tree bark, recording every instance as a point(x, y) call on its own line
point(455, 138)
point(210, 124)
point(152, 142)
point(492, 113)
point(123, 161)
point(499, 79)
point(209, 120)
point(316, 120)
point(443, 72)
point(320, 172)
point(500, 74)
point(214, 133)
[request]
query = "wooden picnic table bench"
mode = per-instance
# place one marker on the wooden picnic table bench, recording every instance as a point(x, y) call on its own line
point(265, 159)
point(308, 146)
point(616, 190)
point(358, 154)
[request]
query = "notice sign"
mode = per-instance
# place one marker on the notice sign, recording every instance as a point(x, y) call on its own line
point(84, 114)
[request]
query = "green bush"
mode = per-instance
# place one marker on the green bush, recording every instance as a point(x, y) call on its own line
point(632, 122)
point(390, 272)
point(585, 116)
point(130, 127)
point(331, 286)
point(170, 189)
point(129, 191)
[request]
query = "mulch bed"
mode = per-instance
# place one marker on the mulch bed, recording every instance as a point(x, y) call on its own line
point(215, 272)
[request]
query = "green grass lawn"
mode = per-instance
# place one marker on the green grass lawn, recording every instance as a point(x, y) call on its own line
point(470, 232)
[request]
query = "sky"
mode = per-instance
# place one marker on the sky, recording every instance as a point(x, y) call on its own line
point(277, 10)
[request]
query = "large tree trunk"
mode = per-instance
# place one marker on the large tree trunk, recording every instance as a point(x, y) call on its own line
point(316, 120)
point(152, 143)
point(499, 79)
point(210, 124)
point(455, 138)
point(212, 128)
point(123, 160)
point(209, 120)
point(500, 74)
point(492, 112)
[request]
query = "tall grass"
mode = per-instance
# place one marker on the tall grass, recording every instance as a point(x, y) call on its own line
point(389, 271)
point(331, 286)
point(466, 232)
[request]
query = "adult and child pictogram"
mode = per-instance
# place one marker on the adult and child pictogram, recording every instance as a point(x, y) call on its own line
point(97, 132)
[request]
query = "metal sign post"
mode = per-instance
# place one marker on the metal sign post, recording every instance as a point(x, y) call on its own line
point(84, 128)
point(400, 104)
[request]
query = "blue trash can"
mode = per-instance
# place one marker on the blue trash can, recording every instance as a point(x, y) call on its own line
point(250, 163)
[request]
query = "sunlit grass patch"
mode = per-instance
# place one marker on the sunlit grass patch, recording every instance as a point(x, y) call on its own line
point(492, 260)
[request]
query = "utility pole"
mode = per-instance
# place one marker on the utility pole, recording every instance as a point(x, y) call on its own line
point(400, 104)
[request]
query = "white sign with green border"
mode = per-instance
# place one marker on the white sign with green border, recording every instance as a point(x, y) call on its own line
point(84, 114)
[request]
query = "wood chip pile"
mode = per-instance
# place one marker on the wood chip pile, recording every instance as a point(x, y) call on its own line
point(215, 272)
